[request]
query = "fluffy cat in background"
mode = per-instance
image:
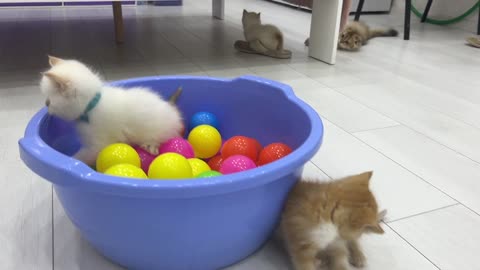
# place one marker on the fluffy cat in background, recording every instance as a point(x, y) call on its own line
point(357, 34)
point(322, 222)
point(105, 114)
point(261, 37)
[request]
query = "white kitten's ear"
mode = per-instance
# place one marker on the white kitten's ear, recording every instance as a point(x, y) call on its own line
point(52, 60)
point(61, 84)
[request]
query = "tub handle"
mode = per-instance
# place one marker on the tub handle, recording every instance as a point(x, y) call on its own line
point(44, 161)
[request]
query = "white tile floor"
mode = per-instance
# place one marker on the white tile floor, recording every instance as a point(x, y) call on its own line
point(409, 110)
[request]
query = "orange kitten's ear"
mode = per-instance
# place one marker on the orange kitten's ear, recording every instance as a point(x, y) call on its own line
point(52, 60)
point(375, 228)
point(381, 215)
point(367, 175)
point(364, 178)
point(361, 180)
point(60, 82)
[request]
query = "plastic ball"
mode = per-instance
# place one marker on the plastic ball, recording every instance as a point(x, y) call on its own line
point(257, 144)
point(240, 145)
point(206, 141)
point(215, 162)
point(198, 166)
point(203, 118)
point(145, 158)
point(177, 145)
point(273, 152)
point(236, 163)
point(209, 174)
point(126, 170)
point(117, 153)
point(170, 166)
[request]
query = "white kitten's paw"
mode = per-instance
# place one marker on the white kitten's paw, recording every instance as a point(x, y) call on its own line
point(152, 149)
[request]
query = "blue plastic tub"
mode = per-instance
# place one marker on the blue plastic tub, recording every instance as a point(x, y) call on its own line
point(199, 224)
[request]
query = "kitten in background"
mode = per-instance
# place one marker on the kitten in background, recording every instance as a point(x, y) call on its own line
point(357, 34)
point(261, 37)
point(323, 221)
point(104, 114)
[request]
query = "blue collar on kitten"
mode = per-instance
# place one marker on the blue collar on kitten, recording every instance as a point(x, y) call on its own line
point(91, 105)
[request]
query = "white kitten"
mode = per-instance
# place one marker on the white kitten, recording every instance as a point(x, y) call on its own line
point(104, 114)
point(261, 37)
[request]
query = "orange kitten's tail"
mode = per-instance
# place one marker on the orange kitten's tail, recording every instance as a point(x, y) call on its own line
point(383, 33)
point(279, 37)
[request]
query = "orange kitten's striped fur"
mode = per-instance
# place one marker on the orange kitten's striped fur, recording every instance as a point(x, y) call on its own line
point(322, 222)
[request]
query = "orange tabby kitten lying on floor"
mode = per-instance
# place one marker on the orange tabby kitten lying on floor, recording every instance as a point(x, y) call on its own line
point(322, 222)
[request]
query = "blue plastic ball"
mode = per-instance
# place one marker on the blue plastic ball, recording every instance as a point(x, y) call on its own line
point(203, 118)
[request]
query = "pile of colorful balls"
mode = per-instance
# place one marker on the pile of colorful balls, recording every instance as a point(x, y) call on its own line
point(201, 154)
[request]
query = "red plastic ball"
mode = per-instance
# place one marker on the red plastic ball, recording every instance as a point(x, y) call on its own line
point(257, 144)
point(272, 152)
point(240, 145)
point(215, 163)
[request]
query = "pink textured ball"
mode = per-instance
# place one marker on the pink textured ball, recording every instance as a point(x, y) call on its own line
point(236, 163)
point(145, 157)
point(177, 145)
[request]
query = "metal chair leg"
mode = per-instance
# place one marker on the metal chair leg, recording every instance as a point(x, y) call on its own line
point(426, 11)
point(478, 26)
point(359, 9)
point(118, 21)
point(406, 27)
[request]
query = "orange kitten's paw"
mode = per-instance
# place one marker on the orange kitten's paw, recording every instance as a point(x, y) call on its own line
point(357, 259)
point(152, 149)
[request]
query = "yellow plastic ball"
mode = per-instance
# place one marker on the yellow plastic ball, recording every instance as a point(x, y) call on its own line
point(205, 140)
point(170, 166)
point(198, 166)
point(126, 170)
point(117, 153)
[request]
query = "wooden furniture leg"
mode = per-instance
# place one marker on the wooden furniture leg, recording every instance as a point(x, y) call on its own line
point(118, 21)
